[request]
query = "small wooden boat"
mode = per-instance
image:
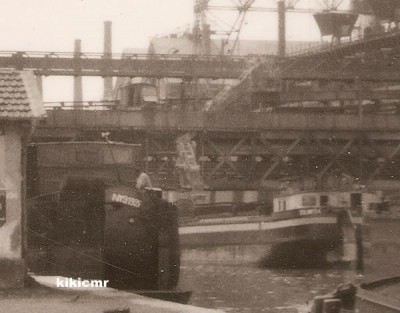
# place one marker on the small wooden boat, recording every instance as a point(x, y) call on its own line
point(381, 296)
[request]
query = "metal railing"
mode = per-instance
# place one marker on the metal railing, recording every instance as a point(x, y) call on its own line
point(162, 105)
point(81, 105)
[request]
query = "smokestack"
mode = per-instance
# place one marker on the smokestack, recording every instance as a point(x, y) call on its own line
point(108, 84)
point(77, 79)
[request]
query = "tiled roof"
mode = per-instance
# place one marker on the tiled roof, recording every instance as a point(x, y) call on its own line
point(19, 96)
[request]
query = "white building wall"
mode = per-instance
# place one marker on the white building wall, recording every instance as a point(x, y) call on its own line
point(11, 183)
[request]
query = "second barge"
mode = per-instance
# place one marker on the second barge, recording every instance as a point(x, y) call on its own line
point(304, 230)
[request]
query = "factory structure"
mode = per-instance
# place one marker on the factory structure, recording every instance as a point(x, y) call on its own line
point(228, 119)
point(310, 114)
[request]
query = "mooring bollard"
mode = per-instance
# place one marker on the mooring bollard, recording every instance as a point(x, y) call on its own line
point(331, 306)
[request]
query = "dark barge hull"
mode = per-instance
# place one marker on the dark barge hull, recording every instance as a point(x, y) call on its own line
point(90, 230)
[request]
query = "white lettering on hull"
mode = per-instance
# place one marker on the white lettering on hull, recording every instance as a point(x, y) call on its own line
point(116, 197)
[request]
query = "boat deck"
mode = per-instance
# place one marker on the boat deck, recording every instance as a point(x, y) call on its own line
point(392, 290)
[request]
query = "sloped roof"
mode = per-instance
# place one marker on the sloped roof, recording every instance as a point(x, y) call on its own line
point(120, 81)
point(19, 96)
point(185, 45)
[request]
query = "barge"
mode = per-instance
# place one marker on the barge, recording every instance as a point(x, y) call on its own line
point(304, 230)
point(91, 222)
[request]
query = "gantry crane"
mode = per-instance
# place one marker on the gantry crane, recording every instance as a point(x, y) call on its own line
point(208, 23)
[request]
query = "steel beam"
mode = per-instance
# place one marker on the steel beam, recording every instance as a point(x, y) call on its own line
point(335, 157)
point(225, 156)
point(279, 159)
point(382, 74)
point(381, 166)
point(339, 95)
point(220, 121)
point(140, 65)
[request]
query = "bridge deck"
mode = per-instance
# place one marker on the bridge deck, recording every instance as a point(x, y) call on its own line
point(218, 121)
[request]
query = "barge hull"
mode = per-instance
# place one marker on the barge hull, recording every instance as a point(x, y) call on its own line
point(298, 242)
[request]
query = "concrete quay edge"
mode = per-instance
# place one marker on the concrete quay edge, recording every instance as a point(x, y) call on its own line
point(88, 300)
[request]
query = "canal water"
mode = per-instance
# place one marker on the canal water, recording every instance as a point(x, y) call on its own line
point(246, 288)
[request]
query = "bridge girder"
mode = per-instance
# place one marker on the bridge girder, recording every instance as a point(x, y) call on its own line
point(250, 156)
point(146, 65)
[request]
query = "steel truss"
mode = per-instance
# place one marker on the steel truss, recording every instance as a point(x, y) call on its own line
point(266, 158)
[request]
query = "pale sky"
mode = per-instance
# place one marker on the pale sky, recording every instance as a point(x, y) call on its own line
point(53, 25)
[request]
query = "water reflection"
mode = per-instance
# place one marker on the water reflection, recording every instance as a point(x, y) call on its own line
point(250, 289)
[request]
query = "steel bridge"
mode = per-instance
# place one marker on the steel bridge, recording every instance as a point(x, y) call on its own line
point(245, 150)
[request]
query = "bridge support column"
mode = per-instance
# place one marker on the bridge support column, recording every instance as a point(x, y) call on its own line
point(77, 78)
point(108, 83)
point(281, 28)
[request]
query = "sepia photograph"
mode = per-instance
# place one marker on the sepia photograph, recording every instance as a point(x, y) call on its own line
point(200, 156)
